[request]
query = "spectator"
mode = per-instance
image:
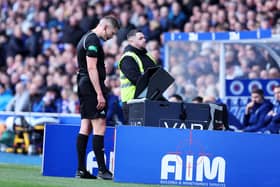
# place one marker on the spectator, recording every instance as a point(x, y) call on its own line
point(272, 119)
point(6, 81)
point(219, 113)
point(176, 98)
point(153, 49)
point(126, 26)
point(16, 43)
point(197, 99)
point(3, 47)
point(164, 24)
point(143, 25)
point(32, 42)
point(72, 32)
point(20, 101)
point(138, 9)
point(110, 65)
point(40, 20)
point(114, 114)
point(5, 97)
point(35, 97)
point(39, 81)
point(264, 74)
point(176, 16)
point(188, 6)
point(256, 111)
point(90, 20)
point(154, 30)
point(51, 101)
point(273, 73)
point(66, 104)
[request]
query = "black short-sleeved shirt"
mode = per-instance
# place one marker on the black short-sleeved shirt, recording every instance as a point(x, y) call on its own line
point(90, 45)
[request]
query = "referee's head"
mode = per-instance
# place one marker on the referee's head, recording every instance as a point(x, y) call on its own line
point(107, 27)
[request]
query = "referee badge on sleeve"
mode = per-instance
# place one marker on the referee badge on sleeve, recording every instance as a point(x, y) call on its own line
point(92, 48)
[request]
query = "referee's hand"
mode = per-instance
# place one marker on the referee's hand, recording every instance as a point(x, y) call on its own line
point(101, 102)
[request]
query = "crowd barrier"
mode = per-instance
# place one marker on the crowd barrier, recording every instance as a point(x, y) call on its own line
point(169, 156)
point(60, 156)
point(62, 118)
point(196, 158)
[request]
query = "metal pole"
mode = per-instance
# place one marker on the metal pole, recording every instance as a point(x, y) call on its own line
point(222, 74)
point(166, 57)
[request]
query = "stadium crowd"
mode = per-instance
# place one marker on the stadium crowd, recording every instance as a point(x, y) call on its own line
point(38, 46)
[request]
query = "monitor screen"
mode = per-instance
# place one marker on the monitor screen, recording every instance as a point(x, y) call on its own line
point(153, 83)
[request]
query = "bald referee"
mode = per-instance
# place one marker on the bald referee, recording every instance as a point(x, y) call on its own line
point(92, 95)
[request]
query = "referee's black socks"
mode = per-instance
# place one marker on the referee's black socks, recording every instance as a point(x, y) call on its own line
point(81, 150)
point(98, 148)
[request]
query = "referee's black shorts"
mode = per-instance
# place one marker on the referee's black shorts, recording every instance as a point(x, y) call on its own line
point(88, 100)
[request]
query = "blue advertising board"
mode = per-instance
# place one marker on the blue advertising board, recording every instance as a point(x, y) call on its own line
point(196, 158)
point(217, 36)
point(243, 87)
point(60, 155)
point(42, 118)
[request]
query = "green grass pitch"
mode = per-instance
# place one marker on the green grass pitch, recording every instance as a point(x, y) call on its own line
point(12, 175)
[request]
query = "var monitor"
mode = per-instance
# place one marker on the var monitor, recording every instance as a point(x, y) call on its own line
point(153, 83)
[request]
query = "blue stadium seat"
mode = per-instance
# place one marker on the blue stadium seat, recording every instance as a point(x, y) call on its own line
point(272, 100)
point(234, 110)
point(236, 106)
point(240, 114)
point(244, 101)
point(224, 100)
point(234, 101)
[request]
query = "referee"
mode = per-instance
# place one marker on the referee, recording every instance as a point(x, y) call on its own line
point(92, 95)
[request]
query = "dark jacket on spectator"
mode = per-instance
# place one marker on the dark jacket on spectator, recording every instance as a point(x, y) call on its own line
point(254, 121)
point(32, 44)
point(272, 123)
point(16, 46)
point(88, 23)
point(114, 113)
point(3, 55)
point(177, 20)
point(122, 33)
point(276, 118)
point(72, 34)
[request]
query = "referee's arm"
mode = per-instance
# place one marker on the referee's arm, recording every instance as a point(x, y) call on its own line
point(94, 78)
